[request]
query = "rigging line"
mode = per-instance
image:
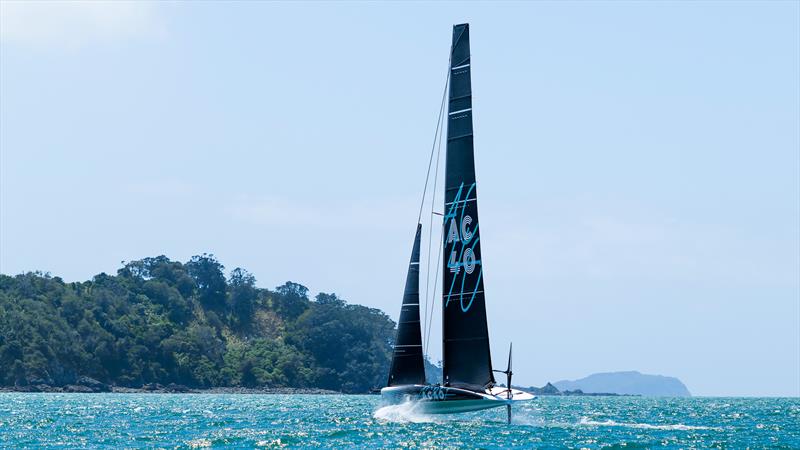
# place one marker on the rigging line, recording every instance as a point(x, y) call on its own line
point(428, 263)
point(429, 317)
point(433, 146)
point(433, 299)
point(437, 138)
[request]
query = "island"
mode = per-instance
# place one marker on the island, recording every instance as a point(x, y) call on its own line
point(159, 325)
point(617, 383)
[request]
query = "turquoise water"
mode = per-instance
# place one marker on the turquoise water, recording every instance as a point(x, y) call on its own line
point(249, 421)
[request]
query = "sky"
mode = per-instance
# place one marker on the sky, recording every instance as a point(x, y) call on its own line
point(638, 164)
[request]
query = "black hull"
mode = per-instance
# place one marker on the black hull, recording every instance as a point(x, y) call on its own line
point(435, 399)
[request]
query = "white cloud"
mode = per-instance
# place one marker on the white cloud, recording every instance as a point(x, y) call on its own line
point(74, 24)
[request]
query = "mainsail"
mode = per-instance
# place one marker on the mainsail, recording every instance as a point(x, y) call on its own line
point(467, 361)
point(407, 365)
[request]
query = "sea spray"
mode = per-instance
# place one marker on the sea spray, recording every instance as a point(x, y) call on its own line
point(406, 412)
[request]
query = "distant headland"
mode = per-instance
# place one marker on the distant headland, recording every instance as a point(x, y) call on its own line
point(617, 383)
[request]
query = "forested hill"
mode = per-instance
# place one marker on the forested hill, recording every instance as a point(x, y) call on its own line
point(162, 321)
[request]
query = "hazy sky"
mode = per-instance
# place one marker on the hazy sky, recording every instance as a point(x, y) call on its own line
point(638, 164)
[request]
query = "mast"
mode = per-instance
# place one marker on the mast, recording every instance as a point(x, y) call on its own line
point(407, 364)
point(466, 358)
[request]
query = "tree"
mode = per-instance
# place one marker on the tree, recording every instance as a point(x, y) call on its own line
point(350, 344)
point(329, 299)
point(162, 269)
point(292, 300)
point(242, 296)
point(207, 273)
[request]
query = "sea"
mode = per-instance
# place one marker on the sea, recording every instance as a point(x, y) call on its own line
point(358, 421)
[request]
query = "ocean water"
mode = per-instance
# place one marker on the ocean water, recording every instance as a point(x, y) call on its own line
point(340, 421)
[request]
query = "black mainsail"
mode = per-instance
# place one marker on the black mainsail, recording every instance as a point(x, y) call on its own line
point(407, 365)
point(466, 358)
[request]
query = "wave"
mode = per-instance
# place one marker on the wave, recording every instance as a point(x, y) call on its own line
point(646, 426)
point(199, 443)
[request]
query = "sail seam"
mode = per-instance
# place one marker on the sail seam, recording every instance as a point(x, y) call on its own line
point(460, 136)
point(460, 111)
point(463, 293)
point(461, 201)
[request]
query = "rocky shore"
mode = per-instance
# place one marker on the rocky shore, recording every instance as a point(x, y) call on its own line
point(90, 385)
point(549, 389)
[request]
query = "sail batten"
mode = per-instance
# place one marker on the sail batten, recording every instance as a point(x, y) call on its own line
point(466, 355)
point(407, 359)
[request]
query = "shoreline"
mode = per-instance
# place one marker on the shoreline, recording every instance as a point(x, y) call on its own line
point(159, 389)
point(180, 389)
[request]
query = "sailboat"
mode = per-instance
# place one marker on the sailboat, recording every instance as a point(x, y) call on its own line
point(468, 382)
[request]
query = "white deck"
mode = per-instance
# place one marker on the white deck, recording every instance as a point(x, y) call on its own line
point(517, 395)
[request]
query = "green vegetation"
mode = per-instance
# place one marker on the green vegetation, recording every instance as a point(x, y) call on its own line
point(162, 321)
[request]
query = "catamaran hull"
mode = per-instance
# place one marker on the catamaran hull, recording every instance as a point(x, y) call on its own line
point(432, 399)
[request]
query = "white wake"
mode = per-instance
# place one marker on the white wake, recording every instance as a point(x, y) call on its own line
point(645, 426)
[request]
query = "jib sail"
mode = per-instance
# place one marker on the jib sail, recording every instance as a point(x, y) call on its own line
point(407, 366)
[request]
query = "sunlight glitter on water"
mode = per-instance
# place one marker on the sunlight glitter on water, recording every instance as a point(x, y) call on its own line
point(339, 421)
